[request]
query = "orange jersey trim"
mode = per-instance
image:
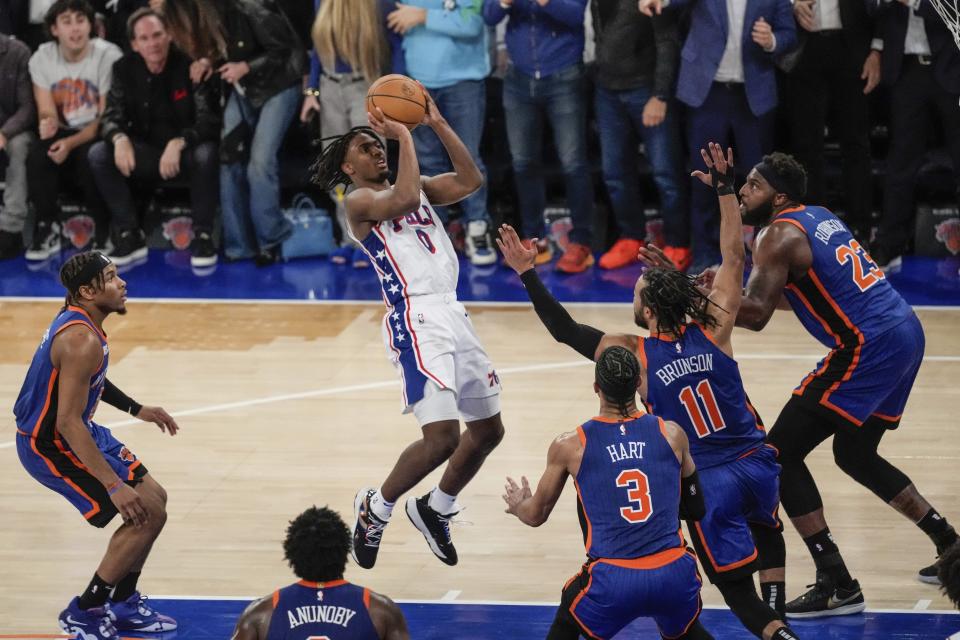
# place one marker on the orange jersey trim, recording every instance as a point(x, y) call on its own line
point(276, 598)
point(366, 598)
point(86, 315)
point(639, 413)
point(321, 585)
point(653, 561)
point(91, 328)
point(576, 601)
point(713, 562)
point(799, 207)
point(793, 222)
point(887, 418)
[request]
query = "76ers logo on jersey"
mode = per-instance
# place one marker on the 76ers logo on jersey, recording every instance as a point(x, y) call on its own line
point(493, 378)
point(418, 219)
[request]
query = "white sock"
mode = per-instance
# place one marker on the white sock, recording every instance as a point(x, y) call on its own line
point(441, 502)
point(380, 507)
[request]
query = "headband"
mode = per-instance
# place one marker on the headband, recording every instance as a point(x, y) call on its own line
point(89, 271)
point(777, 182)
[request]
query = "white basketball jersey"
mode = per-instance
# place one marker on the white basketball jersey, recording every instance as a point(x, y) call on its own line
point(412, 255)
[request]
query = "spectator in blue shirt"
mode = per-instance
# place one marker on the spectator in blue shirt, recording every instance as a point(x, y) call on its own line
point(546, 82)
point(445, 48)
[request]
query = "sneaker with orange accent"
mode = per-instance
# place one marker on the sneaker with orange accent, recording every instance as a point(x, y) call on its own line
point(623, 252)
point(576, 259)
point(544, 252)
point(682, 257)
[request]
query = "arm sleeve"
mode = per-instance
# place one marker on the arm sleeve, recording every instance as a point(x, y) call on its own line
point(582, 338)
point(692, 506)
point(116, 398)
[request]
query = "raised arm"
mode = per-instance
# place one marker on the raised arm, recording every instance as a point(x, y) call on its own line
point(254, 622)
point(582, 338)
point(387, 618)
point(728, 281)
point(465, 178)
point(369, 205)
point(780, 249)
point(533, 509)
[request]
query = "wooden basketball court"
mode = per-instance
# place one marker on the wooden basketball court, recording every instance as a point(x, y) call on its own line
point(287, 405)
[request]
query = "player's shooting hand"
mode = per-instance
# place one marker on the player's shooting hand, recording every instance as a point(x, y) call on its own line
point(705, 280)
point(130, 506)
point(650, 7)
point(384, 126)
point(516, 494)
point(518, 257)
point(720, 168)
point(431, 116)
point(653, 256)
point(159, 417)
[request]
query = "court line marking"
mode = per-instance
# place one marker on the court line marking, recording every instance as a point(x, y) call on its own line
point(519, 603)
point(371, 302)
point(451, 595)
point(922, 605)
point(316, 393)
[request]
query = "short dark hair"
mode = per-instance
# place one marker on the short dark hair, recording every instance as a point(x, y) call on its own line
point(317, 545)
point(140, 14)
point(65, 6)
point(948, 570)
point(789, 174)
point(617, 373)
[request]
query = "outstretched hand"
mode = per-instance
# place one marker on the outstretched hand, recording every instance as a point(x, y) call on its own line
point(653, 256)
point(384, 126)
point(159, 417)
point(515, 494)
point(518, 257)
point(432, 116)
point(720, 172)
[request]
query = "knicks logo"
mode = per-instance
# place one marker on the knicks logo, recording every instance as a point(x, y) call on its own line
point(179, 231)
point(126, 455)
point(948, 232)
point(79, 229)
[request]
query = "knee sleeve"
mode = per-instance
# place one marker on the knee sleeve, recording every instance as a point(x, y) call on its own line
point(871, 470)
point(741, 596)
point(770, 546)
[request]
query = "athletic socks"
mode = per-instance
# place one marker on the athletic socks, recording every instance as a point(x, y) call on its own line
point(125, 587)
point(441, 502)
point(784, 633)
point(96, 593)
point(380, 507)
point(774, 597)
point(826, 555)
point(936, 527)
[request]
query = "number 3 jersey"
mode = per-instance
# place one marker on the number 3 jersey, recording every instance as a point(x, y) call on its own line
point(844, 298)
point(692, 382)
point(628, 488)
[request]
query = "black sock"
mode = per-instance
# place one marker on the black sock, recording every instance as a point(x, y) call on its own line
point(96, 594)
point(125, 587)
point(784, 633)
point(936, 527)
point(773, 595)
point(826, 555)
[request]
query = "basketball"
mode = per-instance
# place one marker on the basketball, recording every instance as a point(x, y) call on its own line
point(400, 99)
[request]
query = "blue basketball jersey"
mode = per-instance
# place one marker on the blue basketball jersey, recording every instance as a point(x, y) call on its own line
point(334, 610)
point(36, 406)
point(693, 383)
point(844, 298)
point(628, 487)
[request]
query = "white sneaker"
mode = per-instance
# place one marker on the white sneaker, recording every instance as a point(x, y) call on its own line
point(479, 247)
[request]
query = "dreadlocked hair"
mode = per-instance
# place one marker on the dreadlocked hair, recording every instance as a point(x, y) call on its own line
point(317, 545)
point(71, 269)
point(617, 374)
point(325, 170)
point(673, 297)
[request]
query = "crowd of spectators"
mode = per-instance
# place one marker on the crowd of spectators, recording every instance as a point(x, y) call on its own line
point(127, 95)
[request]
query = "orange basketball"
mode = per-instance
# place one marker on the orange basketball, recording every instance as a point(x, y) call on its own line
point(400, 99)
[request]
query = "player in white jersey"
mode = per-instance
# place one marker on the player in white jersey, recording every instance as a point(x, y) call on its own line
point(429, 337)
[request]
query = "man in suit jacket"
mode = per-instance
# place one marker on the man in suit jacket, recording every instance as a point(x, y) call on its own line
point(728, 81)
point(834, 72)
point(921, 65)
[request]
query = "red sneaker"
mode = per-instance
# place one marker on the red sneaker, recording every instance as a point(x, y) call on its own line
point(576, 259)
point(544, 252)
point(623, 252)
point(680, 256)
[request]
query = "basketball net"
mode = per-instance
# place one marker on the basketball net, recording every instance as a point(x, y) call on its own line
point(950, 13)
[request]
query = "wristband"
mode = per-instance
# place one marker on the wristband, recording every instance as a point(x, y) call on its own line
point(725, 190)
point(112, 489)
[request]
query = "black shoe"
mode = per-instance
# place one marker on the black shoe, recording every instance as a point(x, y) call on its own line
point(434, 526)
point(202, 251)
point(367, 530)
point(11, 245)
point(129, 248)
point(929, 575)
point(46, 242)
point(267, 257)
point(825, 599)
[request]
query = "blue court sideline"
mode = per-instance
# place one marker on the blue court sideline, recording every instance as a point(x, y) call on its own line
point(202, 619)
point(167, 274)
